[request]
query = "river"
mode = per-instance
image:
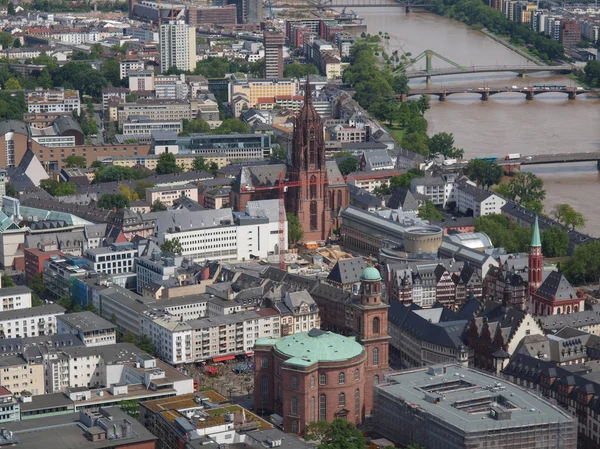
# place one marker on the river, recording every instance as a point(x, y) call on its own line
point(507, 123)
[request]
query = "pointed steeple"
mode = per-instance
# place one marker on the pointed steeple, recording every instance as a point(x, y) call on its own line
point(535, 238)
point(307, 91)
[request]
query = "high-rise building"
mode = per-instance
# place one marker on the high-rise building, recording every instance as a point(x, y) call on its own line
point(177, 46)
point(274, 41)
point(240, 6)
point(254, 11)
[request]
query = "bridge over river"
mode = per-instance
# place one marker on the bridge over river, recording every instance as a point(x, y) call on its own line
point(487, 92)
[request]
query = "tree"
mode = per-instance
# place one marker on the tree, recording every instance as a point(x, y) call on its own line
point(194, 126)
point(12, 11)
point(113, 319)
point(199, 164)
point(37, 284)
point(443, 144)
point(113, 201)
point(348, 165)
point(566, 215)
point(167, 164)
point(12, 84)
point(584, 265)
point(66, 302)
point(158, 206)
point(141, 186)
point(144, 342)
point(6, 40)
point(297, 70)
point(55, 188)
point(295, 231)
point(90, 307)
point(428, 211)
point(592, 73)
point(317, 430)
point(504, 233)
point(7, 281)
point(17, 43)
point(416, 142)
point(526, 187)
point(485, 173)
point(128, 192)
point(214, 168)
point(342, 434)
point(11, 191)
point(75, 161)
point(112, 72)
point(36, 301)
point(555, 242)
point(172, 246)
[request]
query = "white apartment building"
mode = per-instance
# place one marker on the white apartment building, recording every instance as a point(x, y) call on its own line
point(141, 80)
point(130, 65)
point(14, 298)
point(471, 199)
point(53, 100)
point(177, 46)
point(270, 210)
point(155, 110)
point(92, 329)
point(154, 269)
point(171, 86)
point(117, 258)
point(143, 126)
point(217, 338)
point(30, 322)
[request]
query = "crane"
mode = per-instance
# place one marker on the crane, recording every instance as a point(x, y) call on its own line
point(282, 188)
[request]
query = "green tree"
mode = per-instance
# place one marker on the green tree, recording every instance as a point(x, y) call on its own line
point(66, 302)
point(172, 246)
point(17, 43)
point(11, 191)
point(297, 70)
point(566, 215)
point(342, 434)
point(443, 144)
point(6, 40)
point(128, 192)
point(36, 301)
point(504, 233)
point(416, 142)
point(55, 188)
point(428, 211)
point(592, 73)
point(141, 186)
point(555, 242)
point(194, 126)
point(158, 206)
point(37, 284)
point(96, 50)
point(12, 84)
point(584, 265)
point(348, 165)
point(11, 9)
point(113, 201)
point(485, 173)
point(526, 186)
point(90, 307)
point(75, 161)
point(7, 281)
point(295, 231)
point(113, 319)
point(144, 342)
point(112, 72)
point(199, 164)
point(317, 430)
point(167, 164)
point(214, 168)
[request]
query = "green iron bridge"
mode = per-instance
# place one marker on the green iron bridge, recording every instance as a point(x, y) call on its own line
point(456, 68)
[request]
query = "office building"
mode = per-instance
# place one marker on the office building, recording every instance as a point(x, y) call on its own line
point(457, 408)
point(274, 40)
point(212, 15)
point(177, 46)
point(171, 86)
point(254, 14)
point(114, 259)
point(90, 328)
point(254, 89)
point(156, 110)
point(570, 32)
point(9, 406)
point(144, 126)
point(87, 429)
point(168, 194)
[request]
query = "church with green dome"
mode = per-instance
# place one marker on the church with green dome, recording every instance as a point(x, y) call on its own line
point(323, 375)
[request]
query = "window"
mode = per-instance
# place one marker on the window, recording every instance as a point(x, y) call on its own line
point(312, 409)
point(357, 403)
point(265, 389)
point(376, 357)
point(323, 379)
point(322, 408)
point(264, 362)
point(376, 325)
point(312, 381)
point(294, 405)
point(342, 400)
point(342, 378)
point(294, 382)
point(376, 380)
point(356, 374)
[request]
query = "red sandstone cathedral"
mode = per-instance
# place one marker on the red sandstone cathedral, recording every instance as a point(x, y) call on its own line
point(316, 191)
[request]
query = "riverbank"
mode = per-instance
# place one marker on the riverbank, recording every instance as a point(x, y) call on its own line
point(510, 46)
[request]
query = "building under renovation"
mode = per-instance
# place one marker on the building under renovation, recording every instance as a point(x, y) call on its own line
point(458, 408)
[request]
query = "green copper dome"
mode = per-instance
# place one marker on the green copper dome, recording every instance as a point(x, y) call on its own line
point(308, 348)
point(371, 274)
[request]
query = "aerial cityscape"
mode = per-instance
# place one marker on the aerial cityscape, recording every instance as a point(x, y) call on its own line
point(306, 224)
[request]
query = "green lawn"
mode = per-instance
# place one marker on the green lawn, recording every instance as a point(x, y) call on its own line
point(396, 131)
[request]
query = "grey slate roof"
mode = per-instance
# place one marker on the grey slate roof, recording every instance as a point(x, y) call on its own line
point(404, 199)
point(66, 123)
point(86, 321)
point(347, 271)
point(556, 287)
